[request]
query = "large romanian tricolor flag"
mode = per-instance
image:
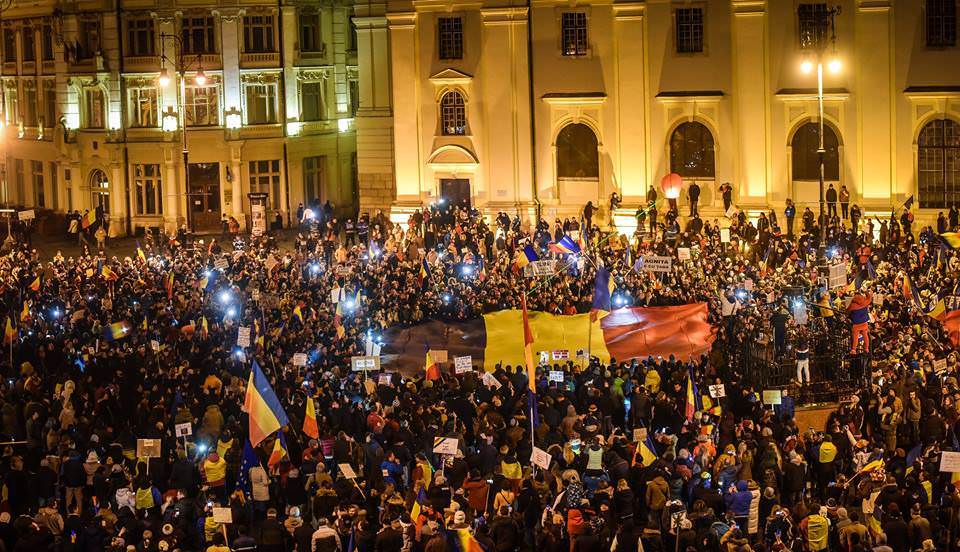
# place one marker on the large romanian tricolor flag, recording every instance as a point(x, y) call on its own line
point(262, 406)
point(693, 403)
point(602, 294)
point(565, 245)
point(526, 256)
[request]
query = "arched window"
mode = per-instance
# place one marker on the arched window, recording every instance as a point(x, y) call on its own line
point(577, 155)
point(453, 114)
point(691, 151)
point(804, 146)
point(100, 191)
point(938, 164)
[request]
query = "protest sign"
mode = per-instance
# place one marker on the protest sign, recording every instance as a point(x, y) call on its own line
point(555, 375)
point(243, 336)
point(439, 355)
point(462, 364)
point(717, 391)
point(300, 359)
point(540, 458)
point(950, 462)
point(683, 253)
point(222, 515)
point(445, 445)
point(539, 268)
point(183, 430)
point(364, 363)
point(29, 214)
point(560, 354)
point(347, 471)
point(772, 397)
point(148, 448)
point(655, 263)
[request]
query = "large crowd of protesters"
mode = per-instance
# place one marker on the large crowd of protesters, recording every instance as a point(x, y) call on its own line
point(100, 352)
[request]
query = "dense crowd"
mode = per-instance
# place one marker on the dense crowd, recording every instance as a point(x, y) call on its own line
point(103, 352)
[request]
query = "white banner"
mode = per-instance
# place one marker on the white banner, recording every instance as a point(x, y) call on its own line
point(656, 263)
point(560, 354)
point(536, 269)
point(724, 235)
point(29, 214)
point(838, 276)
point(555, 375)
point(364, 363)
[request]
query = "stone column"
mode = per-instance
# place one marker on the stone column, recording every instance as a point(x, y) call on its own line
point(749, 35)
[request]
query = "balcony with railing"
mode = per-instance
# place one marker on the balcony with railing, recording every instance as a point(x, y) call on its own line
point(141, 64)
point(259, 60)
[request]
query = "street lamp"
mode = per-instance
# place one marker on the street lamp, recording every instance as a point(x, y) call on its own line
point(170, 118)
point(824, 24)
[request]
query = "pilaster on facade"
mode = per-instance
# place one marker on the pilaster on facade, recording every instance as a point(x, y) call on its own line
point(751, 99)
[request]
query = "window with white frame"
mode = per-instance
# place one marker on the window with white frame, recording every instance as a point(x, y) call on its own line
point(27, 41)
point(310, 38)
point(39, 197)
point(197, 34)
point(141, 37)
point(11, 102)
point(261, 103)
point(202, 104)
point(573, 33)
point(265, 178)
point(149, 189)
point(28, 105)
point(312, 107)
point(258, 34)
point(94, 108)
point(143, 106)
point(453, 114)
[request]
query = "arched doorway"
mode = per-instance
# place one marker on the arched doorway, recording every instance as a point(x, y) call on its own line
point(805, 163)
point(577, 156)
point(692, 151)
point(938, 164)
point(99, 193)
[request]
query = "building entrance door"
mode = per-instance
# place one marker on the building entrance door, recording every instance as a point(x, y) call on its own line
point(456, 191)
point(203, 197)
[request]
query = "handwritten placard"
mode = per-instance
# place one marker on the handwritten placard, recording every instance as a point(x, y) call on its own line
point(717, 391)
point(540, 458)
point(445, 445)
point(299, 359)
point(243, 336)
point(183, 430)
point(462, 364)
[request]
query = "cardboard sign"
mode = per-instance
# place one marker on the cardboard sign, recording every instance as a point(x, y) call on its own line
point(223, 515)
point(243, 336)
point(439, 355)
point(724, 235)
point(364, 363)
point(491, 381)
point(271, 263)
point(878, 299)
point(540, 458)
point(683, 253)
point(950, 462)
point(299, 359)
point(940, 365)
point(772, 397)
point(347, 471)
point(656, 263)
point(29, 214)
point(445, 445)
point(731, 212)
point(462, 364)
point(717, 391)
point(384, 379)
point(555, 375)
point(544, 357)
point(639, 434)
point(183, 430)
point(221, 264)
point(536, 269)
point(838, 276)
point(560, 354)
point(148, 448)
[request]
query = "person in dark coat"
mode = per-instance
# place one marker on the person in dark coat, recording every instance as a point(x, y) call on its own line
point(272, 536)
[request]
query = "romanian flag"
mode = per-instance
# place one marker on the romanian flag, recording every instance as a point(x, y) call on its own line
point(427, 469)
point(9, 332)
point(310, 420)
point(431, 368)
point(565, 245)
point(35, 285)
point(531, 367)
point(204, 327)
point(952, 239)
point(526, 256)
point(602, 294)
point(647, 452)
point(908, 203)
point(424, 271)
point(168, 284)
point(911, 292)
point(140, 253)
point(876, 465)
point(116, 330)
point(108, 274)
point(258, 334)
point(88, 219)
point(418, 505)
point(338, 322)
point(467, 542)
point(298, 313)
point(693, 396)
point(262, 406)
point(25, 312)
point(279, 452)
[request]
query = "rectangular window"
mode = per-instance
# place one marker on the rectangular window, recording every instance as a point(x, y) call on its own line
point(689, 30)
point(46, 42)
point(21, 191)
point(28, 107)
point(265, 178)
point(311, 101)
point(313, 178)
point(39, 197)
point(49, 106)
point(12, 104)
point(28, 38)
point(9, 45)
point(352, 38)
point(574, 33)
point(450, 32)
point(353, 87)
point(310, 31)
point(54, 193)
point(812, 22)
point(143, 107)
point(941, 23)
point(203, 105)
point(94, 108)
point(261, 102)
point(89, 39)
point(258, 33)
point(149, 191)
point(140, 37)
point(197, 35)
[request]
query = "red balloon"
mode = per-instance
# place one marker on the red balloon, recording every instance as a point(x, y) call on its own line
point(671, 185)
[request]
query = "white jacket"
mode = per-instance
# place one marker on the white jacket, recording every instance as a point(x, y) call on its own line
point(260, 484)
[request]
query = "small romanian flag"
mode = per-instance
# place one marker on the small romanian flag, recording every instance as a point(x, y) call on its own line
point(279, 453)
point(431, 368)
point(310, 420)
point(9, 332)
point(25, 312)
point(116, 330)
point(298, 313)
point(565, 245)
point(108, 275)
point(262, 406)
point(526, 256)
point(140, 253)
point(35, 285)
point(89, 218)
point(204, 328)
